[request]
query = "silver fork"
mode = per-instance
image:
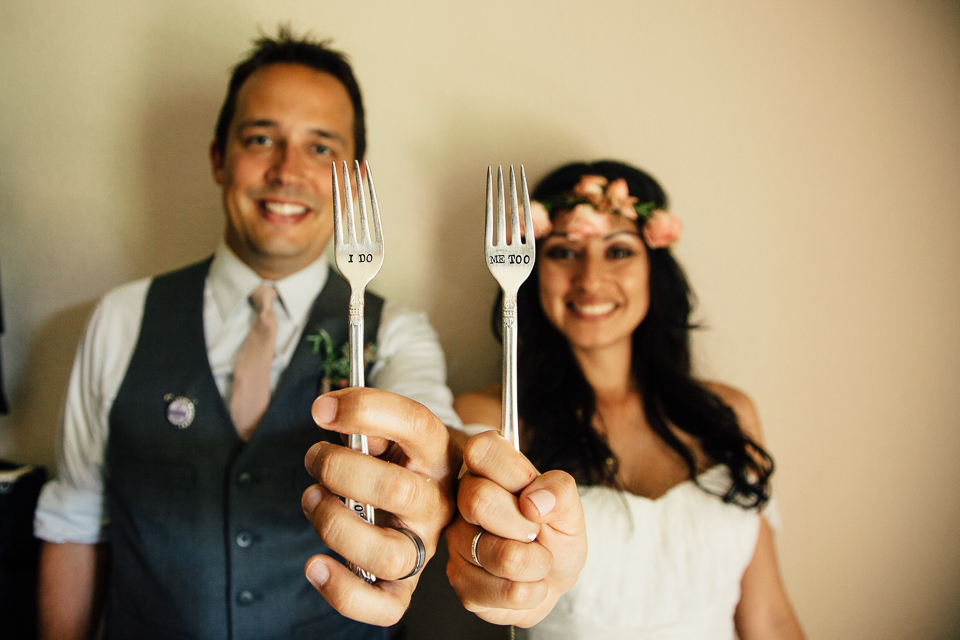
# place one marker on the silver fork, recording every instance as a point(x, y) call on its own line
point(359, 262)
point(510, 264)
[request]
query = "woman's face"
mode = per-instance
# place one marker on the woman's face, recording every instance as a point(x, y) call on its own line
point(594, 286)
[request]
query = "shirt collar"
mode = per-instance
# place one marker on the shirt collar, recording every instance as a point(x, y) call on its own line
point(232, 281)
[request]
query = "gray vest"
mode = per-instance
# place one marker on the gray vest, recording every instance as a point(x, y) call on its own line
point(207, 536)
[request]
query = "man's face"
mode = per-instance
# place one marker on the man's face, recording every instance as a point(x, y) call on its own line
point(291, 123)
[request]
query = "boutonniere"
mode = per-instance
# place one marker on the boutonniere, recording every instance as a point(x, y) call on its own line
point(334, 362)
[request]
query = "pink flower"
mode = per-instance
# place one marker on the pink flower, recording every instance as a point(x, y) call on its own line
point(585, 221)
point(591, 188)
point(541, 220)
point(618, 194)
point(662, 229)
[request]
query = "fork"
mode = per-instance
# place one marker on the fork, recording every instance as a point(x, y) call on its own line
point(359, 262)
point(510, 264)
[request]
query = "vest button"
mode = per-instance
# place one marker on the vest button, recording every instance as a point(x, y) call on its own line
point(246, 597)
point(244, 539)
point(244, 478)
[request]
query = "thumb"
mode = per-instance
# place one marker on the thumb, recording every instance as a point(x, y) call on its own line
point(552, 499)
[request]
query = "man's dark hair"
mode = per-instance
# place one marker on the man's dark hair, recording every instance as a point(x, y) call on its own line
point(289, 49)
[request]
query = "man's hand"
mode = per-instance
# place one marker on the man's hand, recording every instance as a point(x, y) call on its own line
point(409, 478)
point(533, 543)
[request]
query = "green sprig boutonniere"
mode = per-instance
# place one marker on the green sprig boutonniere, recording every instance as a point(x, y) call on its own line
point(335, 363)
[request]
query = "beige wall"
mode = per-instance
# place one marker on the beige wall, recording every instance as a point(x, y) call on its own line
point(812, 148)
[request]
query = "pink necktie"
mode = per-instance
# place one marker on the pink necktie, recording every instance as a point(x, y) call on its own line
point(251, 376)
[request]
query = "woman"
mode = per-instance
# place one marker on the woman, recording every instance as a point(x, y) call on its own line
point(672, 469)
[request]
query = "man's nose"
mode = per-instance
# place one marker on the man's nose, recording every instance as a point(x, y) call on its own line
point(287, 166)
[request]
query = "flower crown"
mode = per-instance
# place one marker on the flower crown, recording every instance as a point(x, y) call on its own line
point(595, 196)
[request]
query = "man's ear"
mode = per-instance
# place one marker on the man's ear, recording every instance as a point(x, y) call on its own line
point(216, 162)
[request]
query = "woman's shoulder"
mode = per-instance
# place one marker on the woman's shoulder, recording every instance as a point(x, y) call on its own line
point(742, 406)
point(481, 406)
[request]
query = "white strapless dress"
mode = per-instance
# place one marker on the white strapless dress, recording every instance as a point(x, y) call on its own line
point(658, 569)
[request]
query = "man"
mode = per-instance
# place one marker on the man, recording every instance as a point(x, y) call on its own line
point(176, 498)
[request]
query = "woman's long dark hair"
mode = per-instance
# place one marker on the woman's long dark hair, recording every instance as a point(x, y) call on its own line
point(557, 404)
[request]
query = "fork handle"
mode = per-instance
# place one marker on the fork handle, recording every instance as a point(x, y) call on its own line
point(510, 419)
point(365, 511)
point(358, 441)
point(356, 338)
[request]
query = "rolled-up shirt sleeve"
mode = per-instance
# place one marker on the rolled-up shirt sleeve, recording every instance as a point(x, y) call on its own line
point(71, 506)
point(410, 361)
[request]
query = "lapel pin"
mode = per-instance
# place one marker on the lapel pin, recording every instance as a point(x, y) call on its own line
point(180, 410)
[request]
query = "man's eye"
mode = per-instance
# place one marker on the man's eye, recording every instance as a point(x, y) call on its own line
point(258, 140)
point(321, 149)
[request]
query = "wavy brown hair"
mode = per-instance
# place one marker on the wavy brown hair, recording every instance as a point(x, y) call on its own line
point(558, 405)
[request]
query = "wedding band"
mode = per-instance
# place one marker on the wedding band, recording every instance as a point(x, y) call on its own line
point(421, 552)
point(473, 548)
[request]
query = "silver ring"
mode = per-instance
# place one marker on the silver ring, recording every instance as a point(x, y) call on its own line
point(421, 552)
point(473, 548)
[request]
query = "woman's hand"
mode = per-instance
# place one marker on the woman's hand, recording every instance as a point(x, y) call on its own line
point(532, 538)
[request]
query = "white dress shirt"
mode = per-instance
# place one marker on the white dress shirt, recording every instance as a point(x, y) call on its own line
point(410, 362)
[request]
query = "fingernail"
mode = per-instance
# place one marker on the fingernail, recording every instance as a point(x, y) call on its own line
point(310, 499)
point(317, 572)
point(543, 500)
point(325, 410)
point(310, 457)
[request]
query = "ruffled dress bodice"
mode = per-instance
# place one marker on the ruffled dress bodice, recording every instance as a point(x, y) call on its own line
point(659, 569)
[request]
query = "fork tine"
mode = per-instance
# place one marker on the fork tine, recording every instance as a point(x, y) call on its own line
point(514, 210)
point(527, 218)
point(348, 205)
point(488, 226)
point(377, 230)
point(501, 213)
point(362, 203)
point(337, 225)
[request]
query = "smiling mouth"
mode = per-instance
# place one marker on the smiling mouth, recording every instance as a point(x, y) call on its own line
point(284, 208)
point(283, 212)
point(593, 310)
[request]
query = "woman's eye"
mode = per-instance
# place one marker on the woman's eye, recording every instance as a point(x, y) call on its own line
point(560, 253)
point(619, 253)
